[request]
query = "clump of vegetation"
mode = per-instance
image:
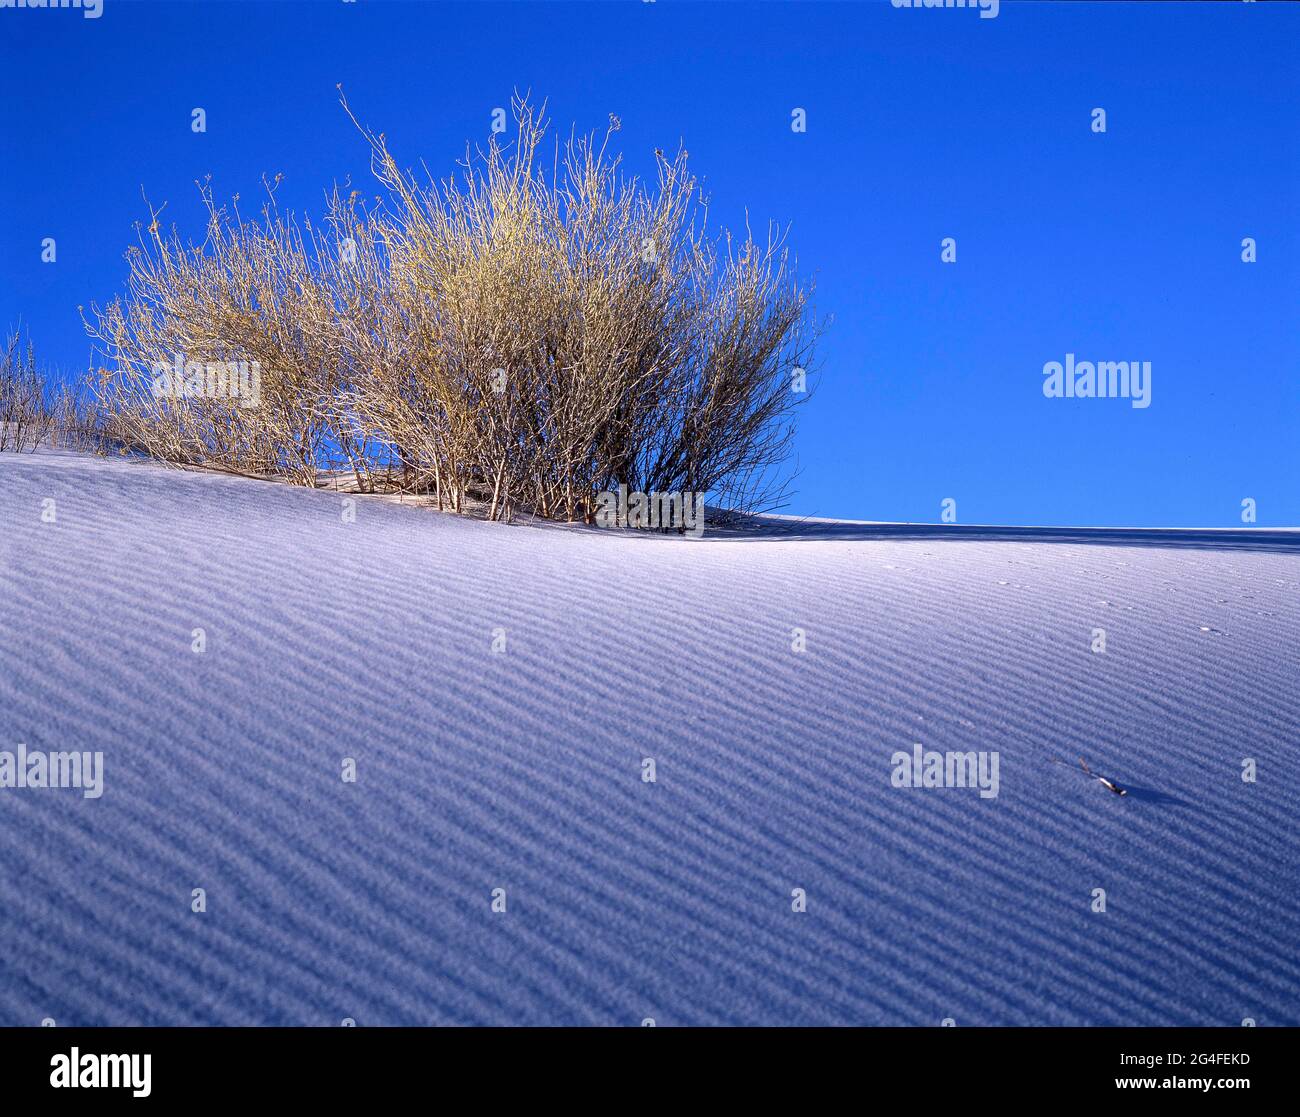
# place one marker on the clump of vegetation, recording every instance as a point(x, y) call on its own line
point(27, 399)
point(517, 337)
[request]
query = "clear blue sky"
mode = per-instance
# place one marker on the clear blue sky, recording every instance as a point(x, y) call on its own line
point(921, 125)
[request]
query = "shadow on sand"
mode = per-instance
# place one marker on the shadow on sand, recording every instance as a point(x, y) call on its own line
point(733, 527)
point(1151, 795)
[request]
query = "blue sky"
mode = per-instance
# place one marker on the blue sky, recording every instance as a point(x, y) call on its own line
point(921, 125)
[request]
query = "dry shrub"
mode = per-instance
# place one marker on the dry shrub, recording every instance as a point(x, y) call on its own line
point(27, 408)
point(511, 336)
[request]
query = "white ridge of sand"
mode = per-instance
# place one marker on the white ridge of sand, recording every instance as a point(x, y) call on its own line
point(625, 900)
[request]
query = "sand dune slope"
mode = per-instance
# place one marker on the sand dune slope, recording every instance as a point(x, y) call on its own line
point(522, 769)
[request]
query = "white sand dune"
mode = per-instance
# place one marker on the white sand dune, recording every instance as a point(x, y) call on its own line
point(373, 640)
